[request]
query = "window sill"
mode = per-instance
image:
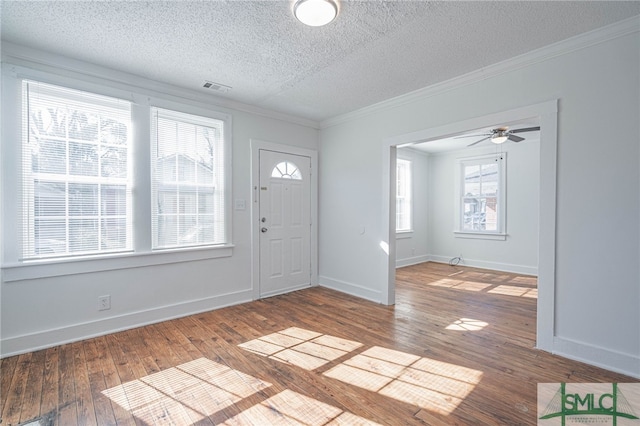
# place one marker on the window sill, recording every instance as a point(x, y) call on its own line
point(82, 265)
point(404, 234)
point(481, 235)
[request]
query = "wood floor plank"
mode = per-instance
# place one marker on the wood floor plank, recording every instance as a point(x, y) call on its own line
point(128, 367)
point(112, 381)
point(67, 403)
point(178, 341)
point(162, 353)
point(457, 348)
point(84, 399)
point(119, 358)
point(7, 369)
point(102, 404)
point(33, 391)
point(49, 400)
point(15, 395)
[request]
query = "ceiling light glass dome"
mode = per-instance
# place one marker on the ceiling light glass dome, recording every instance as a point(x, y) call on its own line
point(315, 13)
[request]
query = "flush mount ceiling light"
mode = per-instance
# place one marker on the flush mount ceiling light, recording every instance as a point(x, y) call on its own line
point(315, 13)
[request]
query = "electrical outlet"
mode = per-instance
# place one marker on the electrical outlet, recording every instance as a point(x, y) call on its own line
point(104, 303)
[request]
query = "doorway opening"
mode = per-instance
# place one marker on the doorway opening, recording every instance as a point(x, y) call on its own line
point(545, 115)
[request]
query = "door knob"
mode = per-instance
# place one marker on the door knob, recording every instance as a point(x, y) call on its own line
point(264, 230)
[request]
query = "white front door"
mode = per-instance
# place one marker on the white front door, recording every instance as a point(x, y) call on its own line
point(285, 222)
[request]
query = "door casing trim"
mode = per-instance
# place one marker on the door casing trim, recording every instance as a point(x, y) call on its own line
point(256, 146)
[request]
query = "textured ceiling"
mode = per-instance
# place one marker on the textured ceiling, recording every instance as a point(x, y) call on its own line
point(374, 50)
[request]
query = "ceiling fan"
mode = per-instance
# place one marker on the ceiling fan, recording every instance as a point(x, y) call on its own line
point(502, 134)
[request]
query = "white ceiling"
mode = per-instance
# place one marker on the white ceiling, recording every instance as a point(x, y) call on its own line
point(373, 51)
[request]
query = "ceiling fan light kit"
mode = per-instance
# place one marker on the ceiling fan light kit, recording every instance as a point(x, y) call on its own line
point(315, 13)
point(499, 138)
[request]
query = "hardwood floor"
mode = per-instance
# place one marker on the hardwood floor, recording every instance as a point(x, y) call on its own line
point(457, 348)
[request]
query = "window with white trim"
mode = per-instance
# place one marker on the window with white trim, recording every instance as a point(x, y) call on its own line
point(188, 180)
point(76, 178)
point(403, 196)
point(77, 197)
point(480, 205)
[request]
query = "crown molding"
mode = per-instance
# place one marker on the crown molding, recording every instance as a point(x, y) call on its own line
point(581, 41)
point(46, 61)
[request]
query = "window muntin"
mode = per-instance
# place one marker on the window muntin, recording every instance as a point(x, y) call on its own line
point(481, 200)
point(286, 170)
point(76, 182)
point(403, 196)
point(188, 187)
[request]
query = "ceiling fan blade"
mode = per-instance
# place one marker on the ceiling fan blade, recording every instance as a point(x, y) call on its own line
point(526, 129)
point(515, 138)
point(477, 142)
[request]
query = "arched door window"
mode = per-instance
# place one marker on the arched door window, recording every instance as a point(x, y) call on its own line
point(286, 170)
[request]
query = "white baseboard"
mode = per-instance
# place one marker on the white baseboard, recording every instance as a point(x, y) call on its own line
point(412, 260)
point(58, 336)
point(350, 288)
point(496, 266)
point(597, 356)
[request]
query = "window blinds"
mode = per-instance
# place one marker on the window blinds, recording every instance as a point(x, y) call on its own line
point(188, 180)
point(76, 182)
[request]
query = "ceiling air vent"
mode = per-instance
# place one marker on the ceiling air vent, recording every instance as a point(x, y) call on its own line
point(217, 87)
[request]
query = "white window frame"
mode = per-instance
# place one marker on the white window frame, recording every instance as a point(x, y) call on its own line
point(28, 177)
point(215, 186)
point(13, 268)
point(408, 197)
point(460, 164)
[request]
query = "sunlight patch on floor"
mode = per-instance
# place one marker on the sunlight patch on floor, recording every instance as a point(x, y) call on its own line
point(185, 394)
point(429, 384)
point(467, 324)
point(445, 282)
point(510, 290)
point(527, 280)
point(472, 286)
point(461, 285)
point(302, 348)
point(525, 286)
point(291, 408)
point(426, 383)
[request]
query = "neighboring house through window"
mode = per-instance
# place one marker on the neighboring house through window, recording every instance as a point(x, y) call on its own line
point(76, 183)
point(188, 180)
point(480, 204)
point(76, 197)
point(404, 205)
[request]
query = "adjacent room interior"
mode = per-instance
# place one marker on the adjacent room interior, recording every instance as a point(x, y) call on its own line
point(221, 213)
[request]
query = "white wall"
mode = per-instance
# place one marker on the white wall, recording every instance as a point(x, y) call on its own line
point(51, 310)
point(412, 247)
point(597, 290)
point(519, 252)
